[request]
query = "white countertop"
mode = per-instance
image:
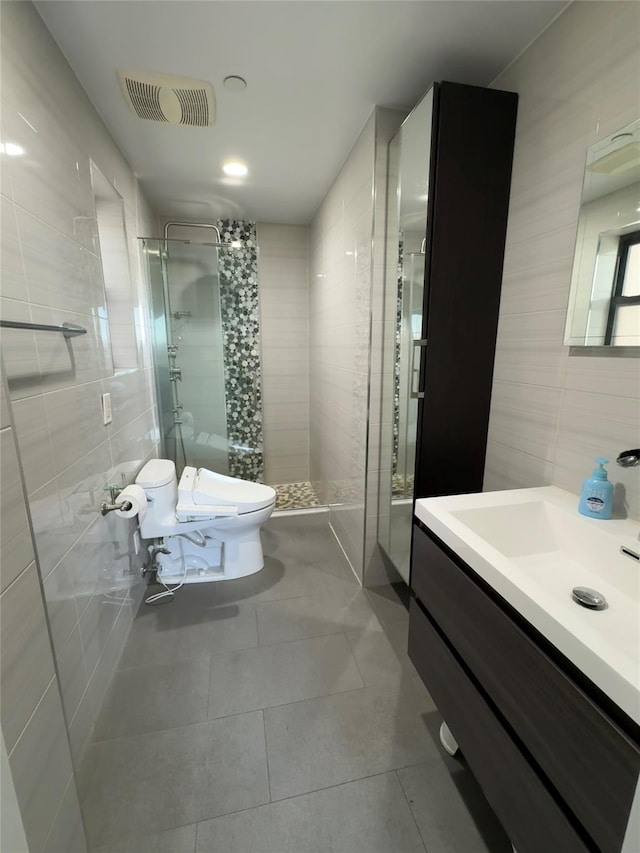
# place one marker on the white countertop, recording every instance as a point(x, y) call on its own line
point(532, 546)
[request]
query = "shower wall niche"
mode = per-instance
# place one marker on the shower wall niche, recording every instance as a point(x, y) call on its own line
point(207, 346)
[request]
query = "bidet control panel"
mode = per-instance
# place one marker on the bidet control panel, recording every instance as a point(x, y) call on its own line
point(186, 484)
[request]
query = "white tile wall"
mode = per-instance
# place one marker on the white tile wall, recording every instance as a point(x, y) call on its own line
point(283, 277)
point(344, 357)
point(51, 274)
point(553, 412)
point(38, 786)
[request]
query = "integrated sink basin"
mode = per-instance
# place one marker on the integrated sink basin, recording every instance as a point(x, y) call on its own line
point(533, 547)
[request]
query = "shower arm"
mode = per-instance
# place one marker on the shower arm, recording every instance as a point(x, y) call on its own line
point(191, 225)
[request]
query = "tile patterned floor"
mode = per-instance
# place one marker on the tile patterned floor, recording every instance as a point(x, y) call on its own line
point(277, 714)
point(296, 496)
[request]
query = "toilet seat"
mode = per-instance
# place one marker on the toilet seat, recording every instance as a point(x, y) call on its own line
point(201, 487)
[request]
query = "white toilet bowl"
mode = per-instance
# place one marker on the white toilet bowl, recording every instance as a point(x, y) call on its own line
point(209, 523)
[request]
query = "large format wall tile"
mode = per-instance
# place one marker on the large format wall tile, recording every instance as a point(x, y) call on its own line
point(578, 82)
point(52, 274)
point(16, 549)
point(283, 272)
point(27, 667)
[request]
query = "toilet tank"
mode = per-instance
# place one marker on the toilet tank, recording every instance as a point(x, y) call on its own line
point(158, 479)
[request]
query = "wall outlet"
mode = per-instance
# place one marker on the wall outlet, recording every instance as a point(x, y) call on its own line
point(107, 417)
point(136, 541)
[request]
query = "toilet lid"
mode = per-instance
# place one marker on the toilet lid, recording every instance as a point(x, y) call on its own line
point(210, 488)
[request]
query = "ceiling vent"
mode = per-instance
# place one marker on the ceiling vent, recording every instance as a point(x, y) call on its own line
point(173, 100)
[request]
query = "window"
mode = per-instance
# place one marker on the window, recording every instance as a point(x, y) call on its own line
point(623, 320)
point(114, 254)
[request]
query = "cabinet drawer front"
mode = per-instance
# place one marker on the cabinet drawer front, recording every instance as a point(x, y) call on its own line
point(531, 817)
point(591, 763)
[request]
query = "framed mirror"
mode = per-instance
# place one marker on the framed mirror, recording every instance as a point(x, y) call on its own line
point(604, 301)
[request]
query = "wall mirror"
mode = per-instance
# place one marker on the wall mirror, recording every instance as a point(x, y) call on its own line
point(604, 302)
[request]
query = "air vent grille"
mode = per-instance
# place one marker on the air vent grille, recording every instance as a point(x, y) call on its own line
point(195, 109)
point(145, 100)
point(168, 99)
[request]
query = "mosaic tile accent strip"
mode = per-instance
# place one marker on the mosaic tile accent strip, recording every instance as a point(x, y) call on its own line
point(240, 314)
point(296, 496)
point(396, 367)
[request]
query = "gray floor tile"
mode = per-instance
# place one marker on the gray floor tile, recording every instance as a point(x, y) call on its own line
point(150, 698)
point(388, 605)
point(181, 840)
point(188, 627)
point(313, 543)
point(313, 616)
point(274, 675)
point(289, 577)
point(146, 783)
point(335, 739)
point(450, 809)
point(368, 816)
point(382, 655)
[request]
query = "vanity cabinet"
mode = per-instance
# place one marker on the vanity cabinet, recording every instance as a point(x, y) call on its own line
point(557, 761)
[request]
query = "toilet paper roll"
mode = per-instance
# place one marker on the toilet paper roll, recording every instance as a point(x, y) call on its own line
point(135, 495)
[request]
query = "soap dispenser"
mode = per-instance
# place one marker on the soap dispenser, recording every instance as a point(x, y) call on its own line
point(596, 497)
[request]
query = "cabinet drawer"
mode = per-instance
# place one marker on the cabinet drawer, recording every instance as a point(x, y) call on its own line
point(591, 763)
point(532, 819)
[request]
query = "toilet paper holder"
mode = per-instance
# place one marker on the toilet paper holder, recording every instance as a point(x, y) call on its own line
point(114, 491)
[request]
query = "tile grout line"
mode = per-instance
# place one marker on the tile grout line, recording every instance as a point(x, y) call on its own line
point(344, 634)
point(210, 658)
point(413, 817)
point(266, 753)
point(239, 713)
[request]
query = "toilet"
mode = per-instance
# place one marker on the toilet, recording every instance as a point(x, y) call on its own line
point(209, 524)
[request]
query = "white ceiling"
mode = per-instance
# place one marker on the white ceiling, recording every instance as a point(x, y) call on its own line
point(315, 69)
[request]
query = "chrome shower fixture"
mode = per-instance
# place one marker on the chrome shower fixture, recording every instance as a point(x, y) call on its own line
point(180, 315)
point(629, 458)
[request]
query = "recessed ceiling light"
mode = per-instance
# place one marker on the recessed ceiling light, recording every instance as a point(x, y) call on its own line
point(234, 83)
point(11, 149)
point(235, 169)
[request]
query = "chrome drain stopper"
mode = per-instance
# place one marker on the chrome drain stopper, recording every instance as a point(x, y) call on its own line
point(590, 598)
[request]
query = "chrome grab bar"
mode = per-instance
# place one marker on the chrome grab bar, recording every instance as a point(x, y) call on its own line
point(69, 330)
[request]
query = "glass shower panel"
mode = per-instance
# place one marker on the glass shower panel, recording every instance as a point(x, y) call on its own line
point(407, 191)
point(195, 333)
point(207, 354)
point(409, 365)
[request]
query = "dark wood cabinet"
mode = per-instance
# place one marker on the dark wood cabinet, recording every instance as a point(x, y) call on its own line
point(472, 138)
point(544, 746)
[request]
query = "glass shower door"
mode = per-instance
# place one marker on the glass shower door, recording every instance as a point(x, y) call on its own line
point(407, 192)
point(207, 354)
point(194, 338)
point(409, 366)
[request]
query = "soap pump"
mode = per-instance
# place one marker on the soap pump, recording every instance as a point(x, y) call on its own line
point(596, 497)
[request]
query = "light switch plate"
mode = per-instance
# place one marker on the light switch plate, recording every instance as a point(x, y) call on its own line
point(107, 417)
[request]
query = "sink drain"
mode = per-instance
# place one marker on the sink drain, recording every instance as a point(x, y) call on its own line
point(590, 598)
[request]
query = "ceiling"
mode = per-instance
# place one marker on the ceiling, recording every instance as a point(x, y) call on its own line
point(315, 69)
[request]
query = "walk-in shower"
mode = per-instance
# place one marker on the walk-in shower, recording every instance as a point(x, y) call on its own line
point(207, 346)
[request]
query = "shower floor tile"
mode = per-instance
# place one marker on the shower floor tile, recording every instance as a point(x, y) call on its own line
point(402, 487)
point(296, 496)
point(293, 683)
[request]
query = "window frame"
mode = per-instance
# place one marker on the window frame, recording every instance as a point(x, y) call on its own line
point(617, 299)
